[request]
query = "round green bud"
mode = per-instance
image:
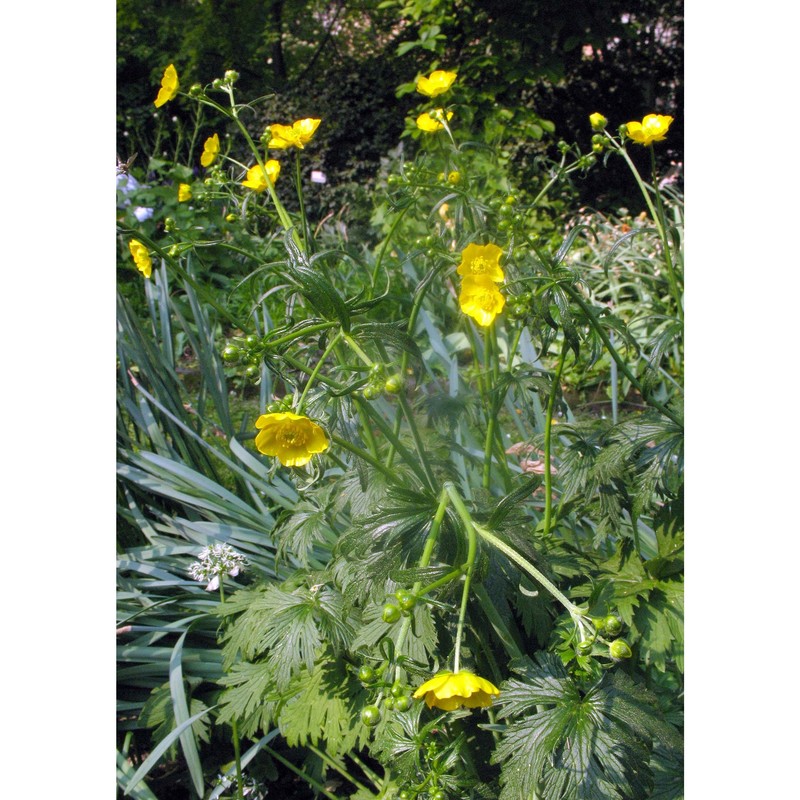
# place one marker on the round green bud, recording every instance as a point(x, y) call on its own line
point(370, 716)
point(231, 353)
point(252, 371)
point(619, 649)
point(391, 613)
point(405, 795)
point(599, 623)
point(438, 795)
point(393, 384)
point(397, 689)
point(585, 647)
point(195, 90)
point(231, 76)
point(405, 599)
point(169, 225)
point(612, 624)
point(174, 251)
point(393, 180)
point(402, 703)
point(441, 177)
point(510, 200)
point(370, 392)
point(366, 674)
point(597, 148)
point(216, 83)
point(503, 225)
point(388, 702)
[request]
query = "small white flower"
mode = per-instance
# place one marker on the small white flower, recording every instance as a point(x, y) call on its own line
point(215, 561)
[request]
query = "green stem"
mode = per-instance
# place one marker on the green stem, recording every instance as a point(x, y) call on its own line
point(364, 455)
point(312, 377)
point(321, 326)
point(237, 754)
point(472, 550)
point(548, 425)
point(573, 610)
point(386, 244)
point(298, 180)
point(658, 219)
point(424, 560)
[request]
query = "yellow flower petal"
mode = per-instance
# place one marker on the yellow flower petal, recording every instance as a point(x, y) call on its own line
point(292, 438)
point(298, 134)
point(450, 691)
point(184, 192)
point(653, 128)
point(255, 176)
point(480, 299)
point(481, 260)
point(430, 123)
point(438, 82)
point(210, 151)
point(141, 257)
point(169, 87)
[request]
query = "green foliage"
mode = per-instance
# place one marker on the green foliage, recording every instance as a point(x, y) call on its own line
point(425, 498)
point(569, 741)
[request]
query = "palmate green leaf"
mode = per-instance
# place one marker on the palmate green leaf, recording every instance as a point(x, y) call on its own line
point(323, 706)
point(287, 626)
point(250, 697)
point(571, 742)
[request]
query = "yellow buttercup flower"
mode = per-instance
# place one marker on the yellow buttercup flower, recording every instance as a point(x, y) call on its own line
point(210, 151)
point(184, 192)
point(255, 176)
point(450, 691)
point(653, 128)
point(597, 121)
point(293, 438)
point(169, 87)
point(430, 123)
point(438, 82)
point(481, 260)
point(141, 257)
point(298, 134)
point(481, 299)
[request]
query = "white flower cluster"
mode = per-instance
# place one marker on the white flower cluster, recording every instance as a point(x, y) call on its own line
point(216, 560)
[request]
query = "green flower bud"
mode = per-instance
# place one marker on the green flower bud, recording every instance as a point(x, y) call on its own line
point(370, 716)
point(612, 625)
point(388, 702)
point(391, 613)
point(216, 83)
point(619, 649)
point(393, 384)
point(231, 76)
point(169, 225)
point(366, 674)
point(231, 354)
point(252, 340)
point(402, 703)
point(585, 647)
point(195, 90)
point(405, 599)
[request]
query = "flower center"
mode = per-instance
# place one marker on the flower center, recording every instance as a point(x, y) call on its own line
point(480, 266)
point(292, 436)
